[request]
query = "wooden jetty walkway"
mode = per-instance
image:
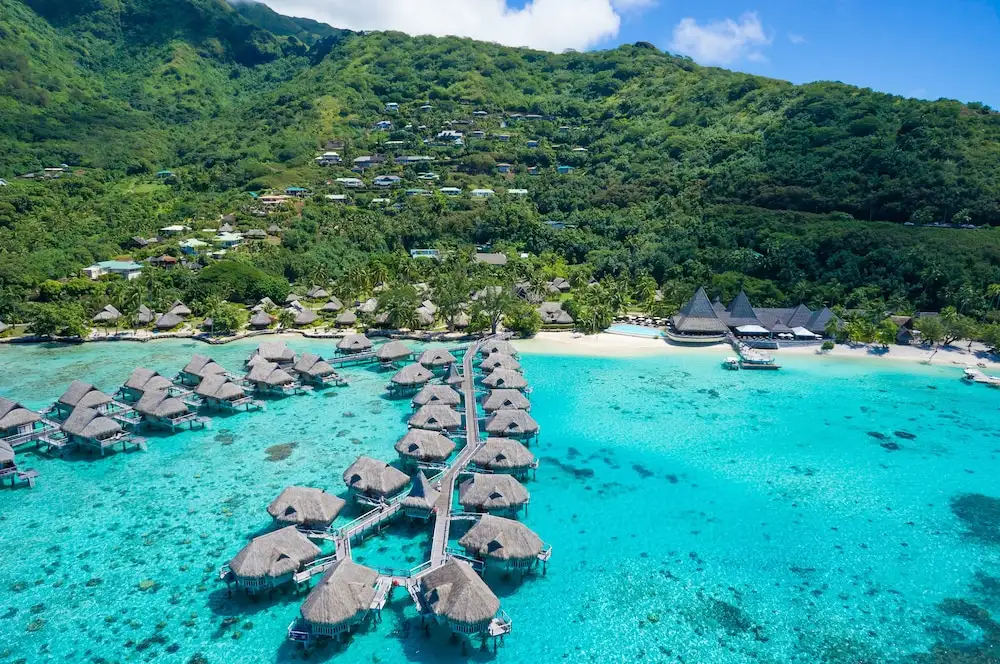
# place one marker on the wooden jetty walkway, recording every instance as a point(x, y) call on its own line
point(369, 357)
point(751, 358)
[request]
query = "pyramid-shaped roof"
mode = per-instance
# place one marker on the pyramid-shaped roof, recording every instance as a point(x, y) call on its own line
point(740, 311)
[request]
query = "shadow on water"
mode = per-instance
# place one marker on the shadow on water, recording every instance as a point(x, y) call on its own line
point(238, 604)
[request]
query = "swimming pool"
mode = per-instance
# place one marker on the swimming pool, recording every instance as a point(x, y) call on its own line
point(634, 330)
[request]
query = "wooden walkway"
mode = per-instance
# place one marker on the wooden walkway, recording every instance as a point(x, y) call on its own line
point(368, 357)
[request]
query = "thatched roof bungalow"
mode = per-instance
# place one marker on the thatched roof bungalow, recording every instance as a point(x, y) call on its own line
point(456, 595)
point(505, 400)
point(495, 493)
point(393, 352)
point(269, 378)
point(347, 319)
point(437, 395)
point(453, 378)
point(261, 320)
point(80, 393)
point(499, 361)
point(8, 464)
point(374, 479)
point(314, 370)
point(144, 380)
point(502, 347)
point(505, 379)
point(179, 309)
point(339, 602)
point(422, 445)
point(218, 391)
point(436, 418)
point(354, 343)
point(411, 376)
point(168, 321)
point(512, 423)
point(505, 540)
point(271, 560)
point(107, 315)
point(158, 408)
point(504, 455)
point(89, 428)
point(199, 368)
point(17, 423)
point(274, 351)
point(307, 507)
point(420, 502)
point(435, 358)
point(306, 317)
point(332, 306)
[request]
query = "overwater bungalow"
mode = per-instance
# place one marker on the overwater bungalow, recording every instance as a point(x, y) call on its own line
point(460, 600)
point(437, 395)
point(409, 378)
point(420, 502)
point(269, 378)
point(513, 424)
point(141, 381)
point(19, 425)
point(392, 352)
point(493, 493)
point(340, 602)
point(80, 393)
point(314, 370)
point(305, 507)
point(353, 344)
point(87, 428)
point(437, 358)
point(220, 393)
point(436, 418)
point(453, 378)
point(371, 480)
point(499, 361)
point(504, 455)
point(199, 368)
point(270, 560)
point(158, 409)
point(502, 347)
point(506, 379)
point(505, 541)
point(424, 446)
point(8, 465)
point(505, 400)
point(273, 351)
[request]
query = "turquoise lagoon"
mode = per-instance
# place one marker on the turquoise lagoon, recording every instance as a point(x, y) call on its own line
point(836, 511)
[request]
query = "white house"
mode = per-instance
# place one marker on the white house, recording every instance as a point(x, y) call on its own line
point(449, 135)
point(482, 193)
point(174, 230)
point(336, 198)
point(450, 191)
point(517, 192)
point(386, 181)
point(128, 269)
point(391, 107)
point(328, 159)
point(228, 240)
point(351, 183)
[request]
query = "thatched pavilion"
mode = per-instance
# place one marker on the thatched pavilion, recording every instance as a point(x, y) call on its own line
point(18, 424)
point(410, 377)
point(314, 370)
point(270, 560)
point(458, 598)
point(509, 542)
point(424, 446)
point(158, 409)
point(354, 343)
point(373, 479)
point(141, 381)
point(437, 395)
point(437, 358)
point(499, 361)
point(87, 427)
point(505, 400)
point(338, 603)
point(274, 351)
point(504, 455)
point(512, 423)
point(306, 507)
point(80, 393)
point(420, 502)
point(505, 379)
point(348, 319)
point(200, 367)
point(436, 418)
point(269, 378)
point(392, 352)
point(494, 493)
point(220, 392)
point(502, 347)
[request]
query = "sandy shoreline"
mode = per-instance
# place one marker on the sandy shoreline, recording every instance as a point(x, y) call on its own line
point(614, 345)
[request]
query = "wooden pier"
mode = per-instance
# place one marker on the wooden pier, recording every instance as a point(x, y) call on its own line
point(369, 357)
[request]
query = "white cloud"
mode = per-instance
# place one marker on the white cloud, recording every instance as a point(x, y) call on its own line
point(552, 25)
point(796, 39)
point(723, 42)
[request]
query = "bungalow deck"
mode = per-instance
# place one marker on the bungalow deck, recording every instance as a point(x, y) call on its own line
point(16, 476)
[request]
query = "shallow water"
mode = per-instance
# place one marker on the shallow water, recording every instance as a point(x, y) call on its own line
point(695, 515)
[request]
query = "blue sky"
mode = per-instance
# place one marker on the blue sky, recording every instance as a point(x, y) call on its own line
point(921, 48)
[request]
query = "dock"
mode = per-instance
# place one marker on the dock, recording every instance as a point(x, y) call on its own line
point(749, 358)
point(368, 357)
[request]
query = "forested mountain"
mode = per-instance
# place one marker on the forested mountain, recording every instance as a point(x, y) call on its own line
point(684, 173)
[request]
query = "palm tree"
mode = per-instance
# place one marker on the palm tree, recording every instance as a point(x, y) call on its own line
point(286, 318)
point(993, 292)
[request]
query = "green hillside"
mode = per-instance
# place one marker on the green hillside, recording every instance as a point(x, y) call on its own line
point(683, 173)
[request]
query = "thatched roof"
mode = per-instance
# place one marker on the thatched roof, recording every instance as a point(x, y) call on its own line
point(333, 305)
point(292, 297)
point(422, 494)
point(261, 319)
point(6, 453)
point(268, 373)
point(412, 375)
point(392, 351)
point(461, 321)
point(168, 321)
point(500, 361)
point(273, 555)
point(274, 351)
point(424, 445)
point(437, 395)
point(88, 423)
point(314, 366)
point(179, 309)
point(306, 317)
point(503, 454)
point(505, 379)
point(552, 313)
point(343, 594)
point(369, 306)
point(355, 343)
point(317, 293)
point(436, 357)
point(740, 312)
point(219, 387)
point(145, 315)
point(511, 422)
point(107, 315)
point(482, 493)
point(347, 318)
point(436, 418)
point(505, 400)
point(299, 505)
point(503, 347)
point(202, 366)
point(80, 393)
point(143, 380)
point(13, 415)
point(453, 378)
point(501, 539)
point(698, 316)
point(159, 403)
point(454, 591)
point(375, 478)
